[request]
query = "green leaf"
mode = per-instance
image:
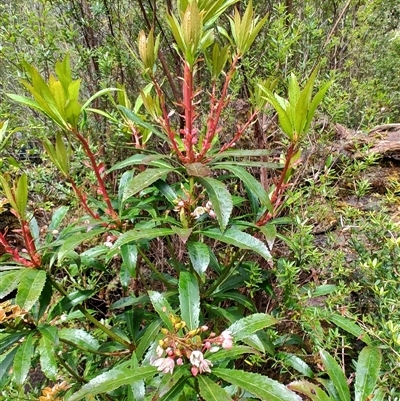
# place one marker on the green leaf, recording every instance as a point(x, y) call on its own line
point(162, 307)
point(172, 387)
point(98, 94)
point(136, 160)
point(336, 374)
point(220, 198)
point(199, 255)
point(9, 281)
point(22, 360)
point(310, 390)
point(248, 325)
point(69, 301)
point(129, 255)
point(136, 235)
point(261, 386)
point(112, 380)
point(143, 180)
point(137, 120)
point(70, 243)
point(56, 221)
point(21, 195)
point(233, 236)
point(296, 363)
point(211, 391)
point(79, 337)
point(250, 182)
point(367, 372)
point(149, 335)
point(189, 299)
point(47, 357)
point(6, 365)
point(233, 353)
point(349, 326)
point(10, 339)
point(30, 288)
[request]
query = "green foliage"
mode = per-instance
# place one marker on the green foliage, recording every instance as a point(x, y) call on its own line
point(157, 285)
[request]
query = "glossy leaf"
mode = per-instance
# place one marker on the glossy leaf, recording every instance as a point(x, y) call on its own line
point(79, 337)
point(56, 220)
point(336, 375)
point(136, 235)
point(199, 255)
point(162, 307)
point(70, 243)
point(30, 288)
point(248, 325)
point(129, 255)
point(261, 386)
point(143, 180)
point(9, 339)
point(233, 353)
point(210, 391)
point(47, 358)
point(367, 372)
point(220, 198)
point(296, 363)
point(349, 326)
point(233, 236)
point(145, 159)
point(9, 281)
point(21, 195)
point(112, 380)
point(250, 182)
point(311, 390)
point(189, 299)
point(149, 335)
point(22, 360)
point(6, 365)
point(69, 301)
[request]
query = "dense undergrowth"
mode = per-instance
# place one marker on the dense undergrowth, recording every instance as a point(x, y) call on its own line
point(208, 247)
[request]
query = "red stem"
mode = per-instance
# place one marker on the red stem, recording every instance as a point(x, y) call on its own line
point(82, 199)
point(215, 112)
point(165, 122)
point(110, 210)
point(30, 244)
point(189, 112)
point(276, 197)
point(14, 253)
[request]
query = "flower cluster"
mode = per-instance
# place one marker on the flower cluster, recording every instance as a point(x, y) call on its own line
point(183, 345)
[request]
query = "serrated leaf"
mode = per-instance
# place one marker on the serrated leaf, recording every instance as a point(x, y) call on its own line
point(349, 326)
point(143, 180)
point(22, 360)
point(233, 236)
point(6, 365)
point(79, 337)
point(136, 235)
point(129, 255)
point(296, 363)
point(112, 380)
point(310, 390)
point(9, 281)
point(189, 299)
point(233, 353)
point(261, 386)
point(210, 391)
point(30, 288)
point(220, 198)
point(336, 375)
point(162, 307)
point(47, 358)
point(248, 325)
point(136, 160)
point(250, 182)
point(367, 372)
point(10, 339)
point(70, 243)
point(199, 255)
point(149, 335)
point(69, 301)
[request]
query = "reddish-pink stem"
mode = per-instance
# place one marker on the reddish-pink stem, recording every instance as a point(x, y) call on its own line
point(276, 198)
point(166, 123)
point(14, 253)
point(189, 139)
point(216, 109)
point(82, 199)
point(110, 210)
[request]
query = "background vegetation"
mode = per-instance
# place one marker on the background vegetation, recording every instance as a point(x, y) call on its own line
point(323, 293)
